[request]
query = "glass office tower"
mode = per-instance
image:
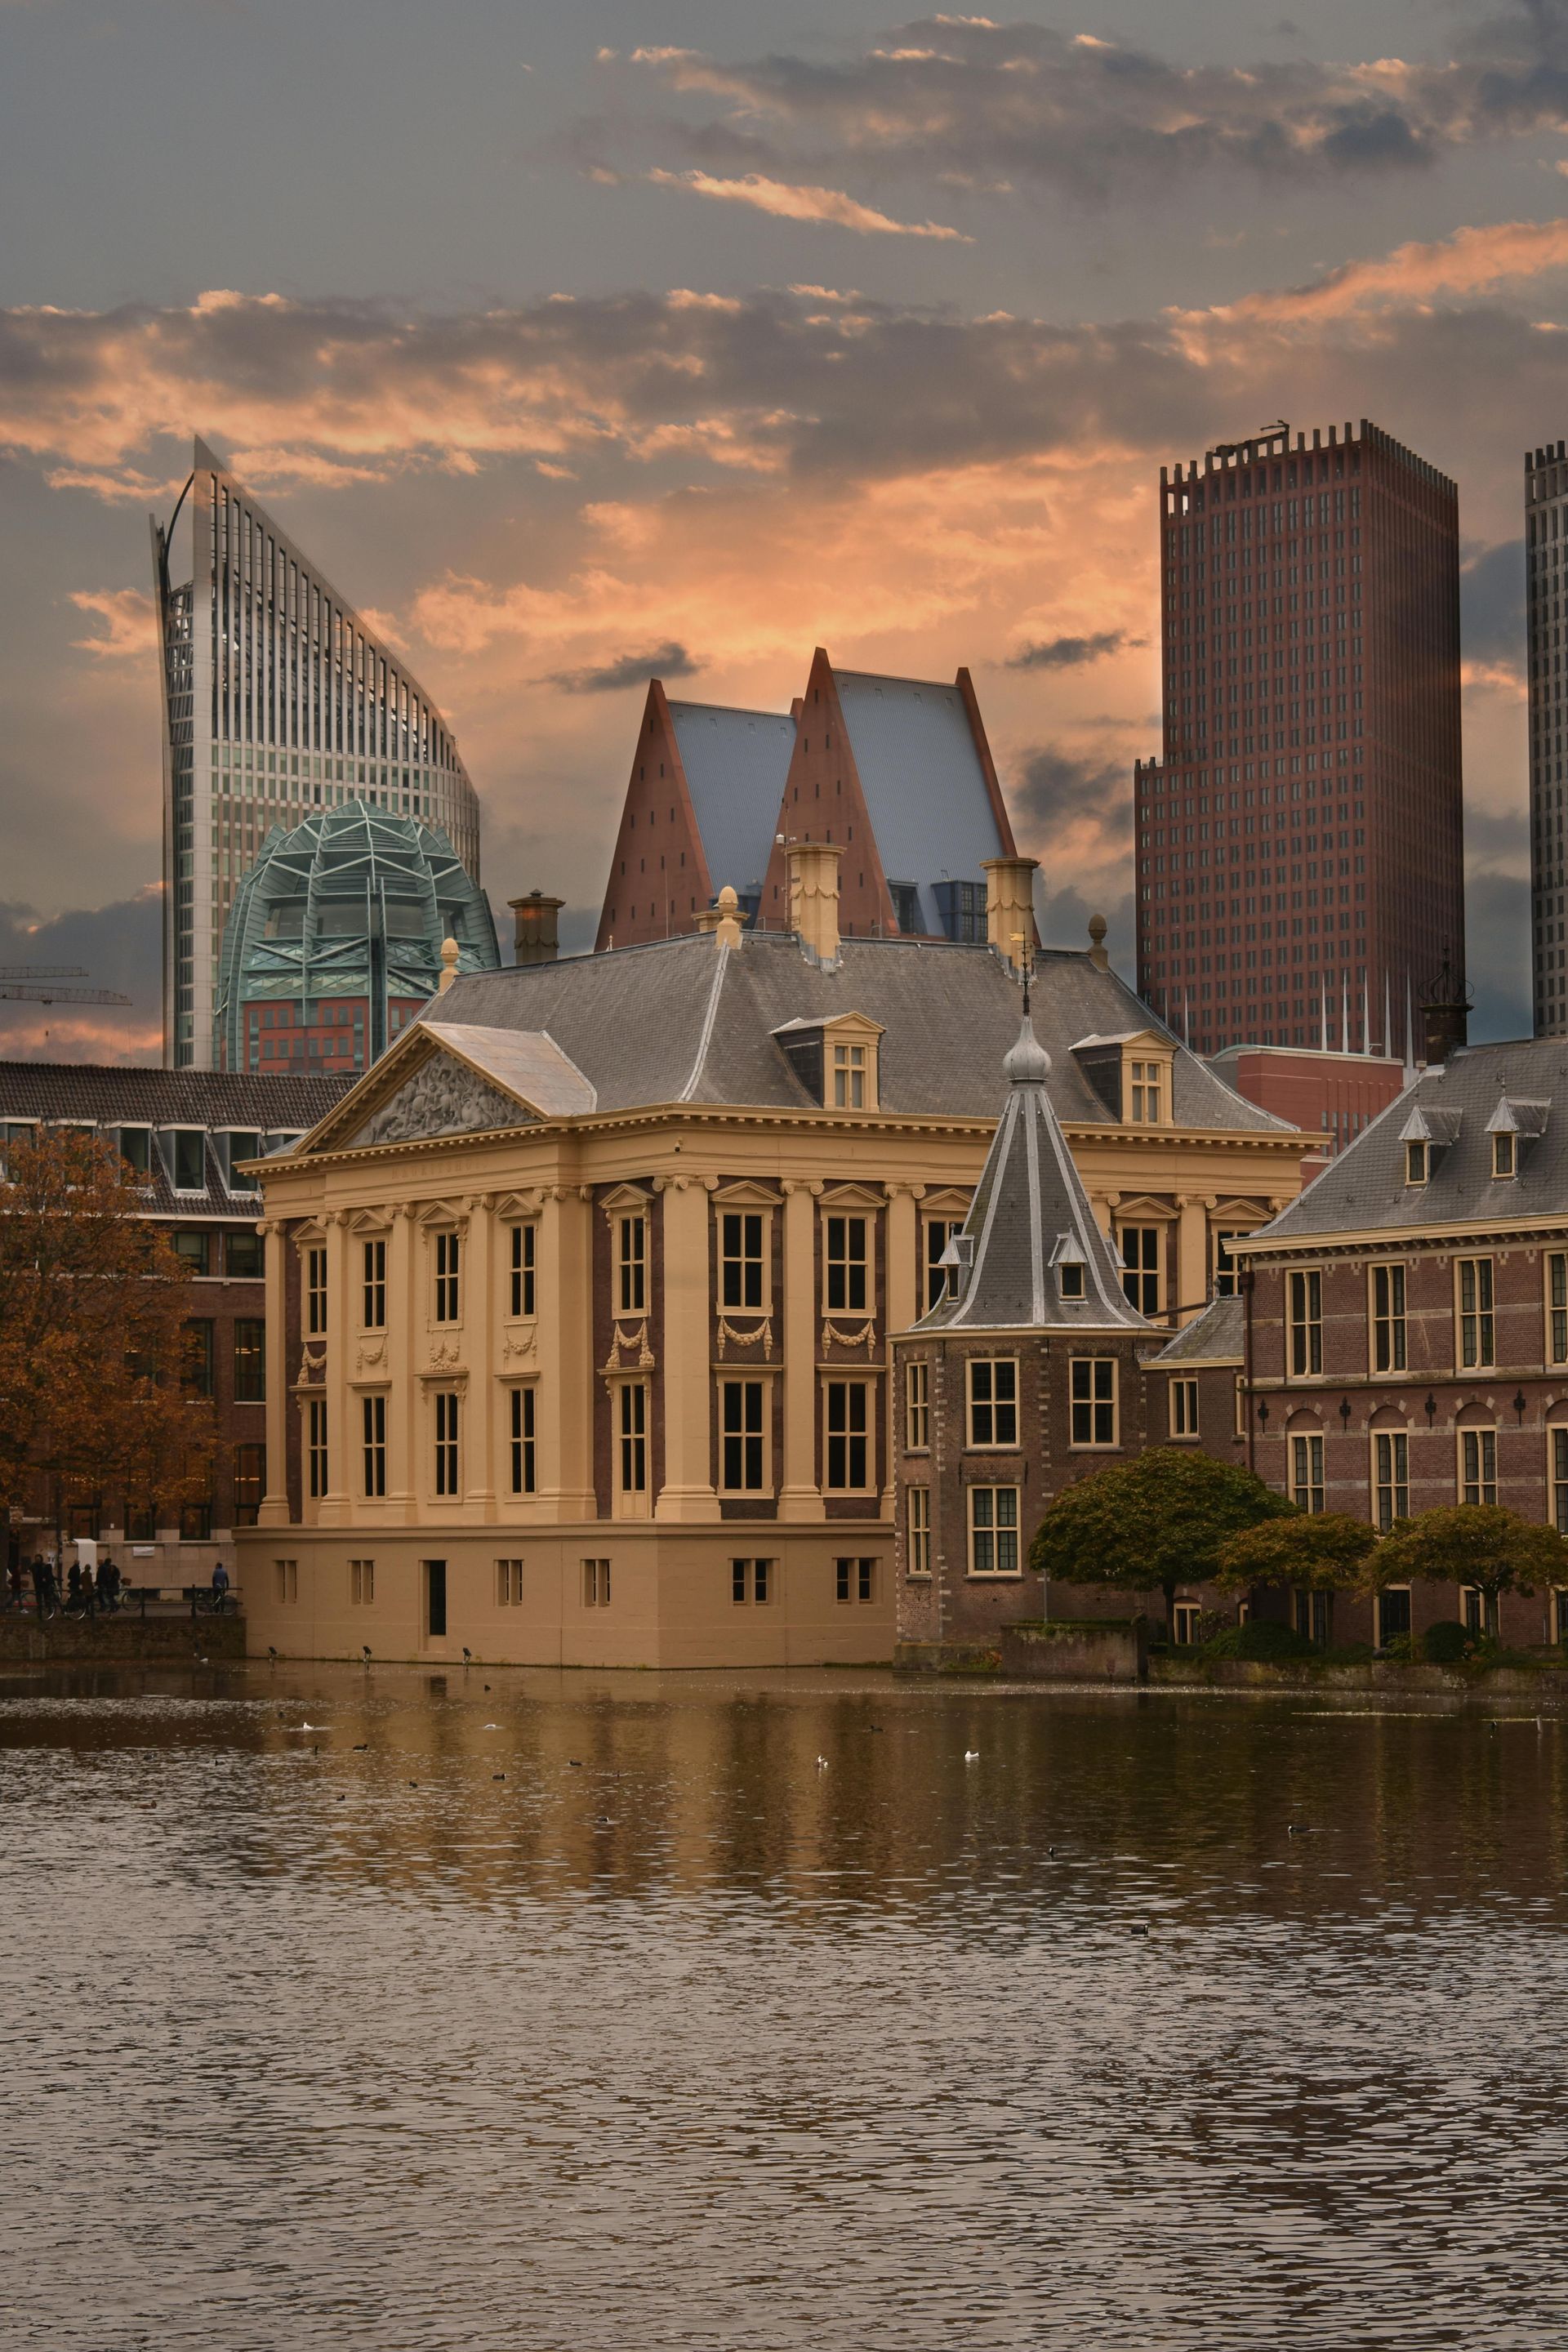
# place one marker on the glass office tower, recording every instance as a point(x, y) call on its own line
point(278, 700)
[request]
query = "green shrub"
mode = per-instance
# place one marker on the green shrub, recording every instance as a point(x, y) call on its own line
point(1348, 1654)
point(1263, 1640)
point(1447, 1642)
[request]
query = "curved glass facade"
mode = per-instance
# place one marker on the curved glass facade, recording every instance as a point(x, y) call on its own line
point(333, 943)
point(278, 700)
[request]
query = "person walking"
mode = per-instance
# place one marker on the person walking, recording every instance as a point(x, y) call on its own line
point(220, 1588)
point(89, 1590)
point(73, 1588)
point(108, 1585)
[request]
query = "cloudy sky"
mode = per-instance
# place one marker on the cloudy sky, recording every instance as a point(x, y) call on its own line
point(689, 334)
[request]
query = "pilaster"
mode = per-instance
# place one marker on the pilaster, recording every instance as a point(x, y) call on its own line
point(684, 1352)
point(478, 1329)
point(274, 1510)
point(800, 1497)
point(403, 1396)
point(335, 1507)
point(566, 1410)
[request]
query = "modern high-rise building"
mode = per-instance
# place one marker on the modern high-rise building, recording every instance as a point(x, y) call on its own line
point(277, 699)
point(1300, 857)
point(1546, 595)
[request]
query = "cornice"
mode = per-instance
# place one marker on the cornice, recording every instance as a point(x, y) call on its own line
point(1384, 1240)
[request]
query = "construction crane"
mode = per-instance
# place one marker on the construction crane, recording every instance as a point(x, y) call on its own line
point(22, 983)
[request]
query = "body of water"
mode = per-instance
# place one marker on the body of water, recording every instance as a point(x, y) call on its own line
point(534, 2012)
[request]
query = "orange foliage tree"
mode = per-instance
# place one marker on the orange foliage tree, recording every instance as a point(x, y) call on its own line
point(93, 1302)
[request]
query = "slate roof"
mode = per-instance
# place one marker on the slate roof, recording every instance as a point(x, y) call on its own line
point(1214, 1337)
point(116, 1095)
point(526, 1062)
point(1364, 1188)
point(735, 763)
point(925, 788)
point(1030, 1216)
point(684, 1021)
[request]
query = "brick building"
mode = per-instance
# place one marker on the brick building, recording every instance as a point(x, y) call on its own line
point(185, 1135)
point(1299, 860)
point(1335, 1095)
point(895, 772)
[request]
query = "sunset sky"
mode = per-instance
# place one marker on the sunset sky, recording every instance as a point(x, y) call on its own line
point(578, 342)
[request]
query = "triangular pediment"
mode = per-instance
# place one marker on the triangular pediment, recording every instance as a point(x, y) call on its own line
point(447, 1078)
point(440, 1096)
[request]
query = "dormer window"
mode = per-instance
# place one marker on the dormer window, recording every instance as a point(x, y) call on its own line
point(1415, 1163)
point(1147, 1092)
point(1514, 1125)
point(1071, 1278)
point(1504, 1155)
point(849, 1078)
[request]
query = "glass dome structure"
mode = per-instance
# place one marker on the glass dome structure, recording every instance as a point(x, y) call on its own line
point(340, 923)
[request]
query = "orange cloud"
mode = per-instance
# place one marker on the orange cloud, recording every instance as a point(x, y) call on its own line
point(127, 617)
point(1471, 262)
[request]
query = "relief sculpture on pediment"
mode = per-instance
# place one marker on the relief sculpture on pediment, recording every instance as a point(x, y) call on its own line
point(441, 1097)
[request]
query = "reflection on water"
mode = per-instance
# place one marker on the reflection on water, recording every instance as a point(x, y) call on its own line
point(571, 2013)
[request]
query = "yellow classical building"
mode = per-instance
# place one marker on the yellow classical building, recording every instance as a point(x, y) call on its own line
point(579, 1303)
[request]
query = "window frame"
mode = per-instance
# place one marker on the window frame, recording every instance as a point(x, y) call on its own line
point(509, 1583)
point(1304, 1323)
point(743, 1270)
point(1142, 1282)
point(754, 1581)
point(995, 1414)
point(317, 1458)
point(631, 1447)
point(447, 1438)
point(1309, 1488)
point(362, 1584)
point(373, 1444)
point(1476, 1481)
point(523, 1437)
point(917, 1404)
point(1387, 1307)
point(917, 1531)
point(523, 1270)
point(1557, 1473)
point(1389, 1479)
point(745, 1447)
point(372, 1283)
point(313, 1286)
point(1086, 1413)
point(631, 1261)
point(1554, 1289)
point(848, 1444)
point(850, 1073)
point(447, 1268)
point(992, 1534)
point(1183, 1408)
point(853, 1276)
point(1475, 1324)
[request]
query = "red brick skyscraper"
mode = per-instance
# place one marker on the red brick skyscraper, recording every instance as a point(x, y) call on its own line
point(1300, 848)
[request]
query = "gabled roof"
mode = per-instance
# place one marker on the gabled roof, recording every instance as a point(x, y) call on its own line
point(1030, 1217)
point(933, 808)
point(494, 1078)
point(1452, 1106)
point(735, 763)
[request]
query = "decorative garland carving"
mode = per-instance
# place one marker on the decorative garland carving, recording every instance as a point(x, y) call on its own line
point(446, 1355)
point(865, 1338)
point(312, 1365)
point(371, 1355)
point(518, 1343)
point(765, 1332)
point(637, 1338)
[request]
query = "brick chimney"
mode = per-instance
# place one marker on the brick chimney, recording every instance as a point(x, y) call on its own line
point(813, 868)
point(535, 938)
point(1010, 906)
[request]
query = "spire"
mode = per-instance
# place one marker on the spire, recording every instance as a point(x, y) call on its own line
point(1030, 1253)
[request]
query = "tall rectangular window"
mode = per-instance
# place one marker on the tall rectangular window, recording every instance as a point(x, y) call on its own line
point(1304, 1310)
point(447, 1441)
point(372, 1426)
point(199, 1352)
point(1146, 1092)
point(1226, 1276)
point(509, 1584)
point(844, 1265)
point(1183, 1408)
point(849, 1078)
point(1557, 1306)
point(596, 1584)
point(523, 1270)
point(1390, 1477)
point(434, 1575)
point(632, 1436)
point(315, 1290)
point(1307, 1472)
point(1388, 1319)
point(1478, 1466)
point(249, 1360)
point(631, 1262)
point(917, 1405)
point(1558, 1440)
point(993, 1531)
point(742, 1442)
point(917, 1527)
point(362, 1584)
point(855, 1580)
point(848, 1449)
point(373, 1284)
point(286, 1580)
point(993, 1400)
point(1092, 1387)
point(740, 1234)
point(249, 1481)
point(522, 1408)
point(316, 1444)
point(1478, 1327)
point(1140, 1247)
point(448, 1248)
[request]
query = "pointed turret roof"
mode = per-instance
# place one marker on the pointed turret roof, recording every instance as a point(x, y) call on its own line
point(1029, 1223)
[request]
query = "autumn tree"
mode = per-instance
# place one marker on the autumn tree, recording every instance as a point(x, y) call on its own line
point(1477, 1544)
point(1152, 1523)
point(1323, 1551)
point(94, 1303)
